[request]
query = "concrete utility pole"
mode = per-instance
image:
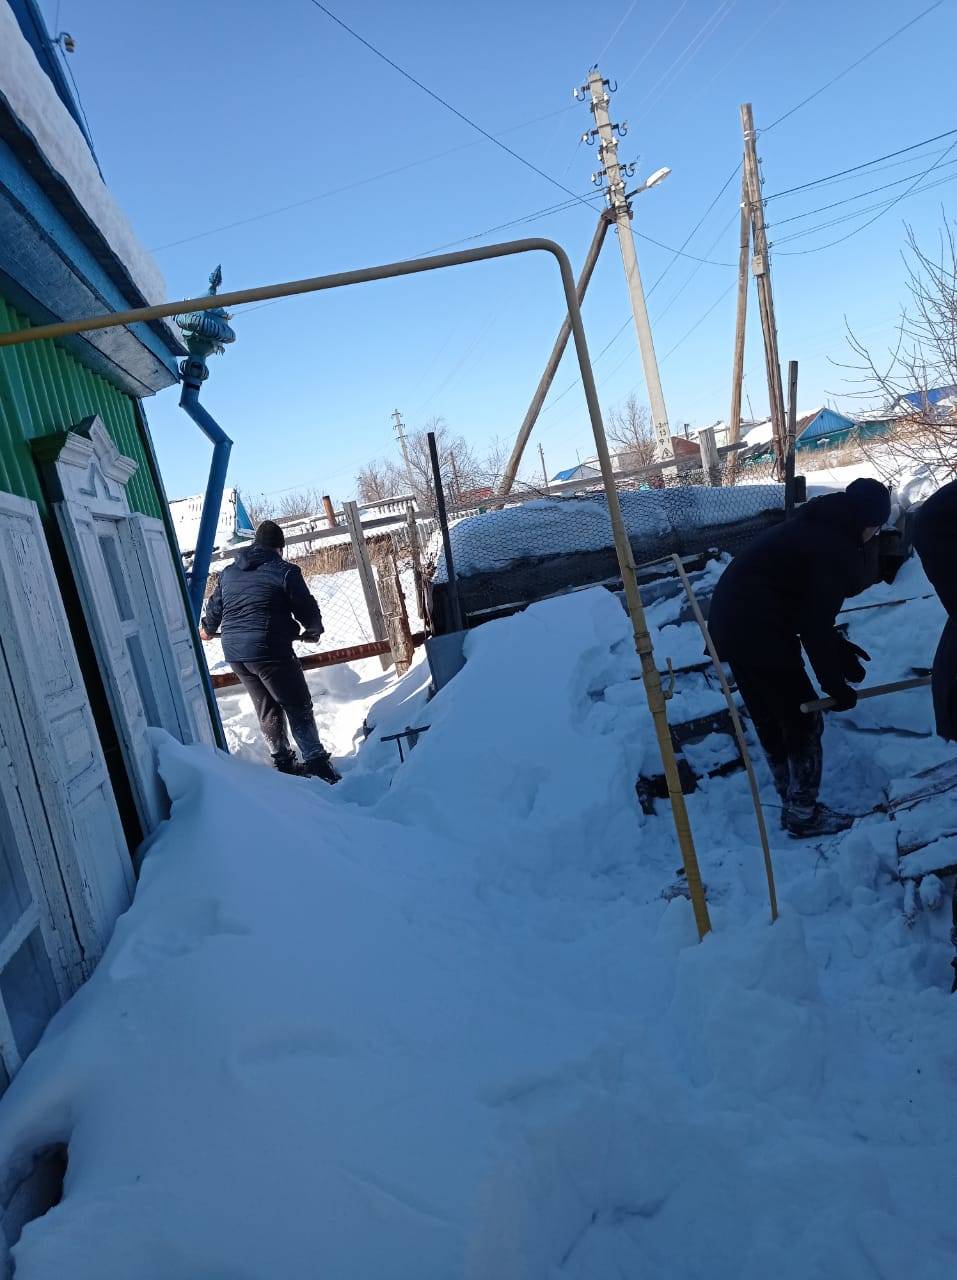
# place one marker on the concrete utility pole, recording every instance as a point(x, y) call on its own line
point(761, 266)
point(400, 435)
point(615, 174)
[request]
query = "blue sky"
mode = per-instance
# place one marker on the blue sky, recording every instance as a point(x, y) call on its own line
point(206, 115)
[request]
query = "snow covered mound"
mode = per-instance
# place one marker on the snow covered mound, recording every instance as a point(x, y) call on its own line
point(440, 1023)
point(561, 526)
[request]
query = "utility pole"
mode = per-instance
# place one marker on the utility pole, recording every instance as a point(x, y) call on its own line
point(541, 454)
point(615, 173)
point(455, 478)
point(737, 368)
point(761, 266)
point(400, 435)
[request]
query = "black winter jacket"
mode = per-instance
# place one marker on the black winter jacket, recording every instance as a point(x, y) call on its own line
point(935, 540)
point(786, 589)
point(256, 603)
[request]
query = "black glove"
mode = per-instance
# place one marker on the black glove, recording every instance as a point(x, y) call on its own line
point(852, 665)
point(311, 637)
point(845, 698)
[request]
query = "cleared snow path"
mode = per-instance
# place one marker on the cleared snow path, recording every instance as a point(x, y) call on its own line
point(438, 1022)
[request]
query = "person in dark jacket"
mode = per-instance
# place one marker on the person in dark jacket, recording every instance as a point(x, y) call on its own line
point(259, 603)
point(784, 591)
point(935, 541)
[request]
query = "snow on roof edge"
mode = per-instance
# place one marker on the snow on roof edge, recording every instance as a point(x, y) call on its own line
point(33, 100)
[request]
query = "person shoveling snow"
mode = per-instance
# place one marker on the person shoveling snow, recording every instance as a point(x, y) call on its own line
point(782, 592)
point(259, 603)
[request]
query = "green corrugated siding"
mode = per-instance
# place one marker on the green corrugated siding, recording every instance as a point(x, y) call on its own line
point(44, 389)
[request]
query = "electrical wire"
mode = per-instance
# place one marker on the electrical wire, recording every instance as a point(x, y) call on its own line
point(680, 253)
point(687, 55)
point(700, 321)
point(490, 137)
point(847, 70)
point(608, 43)
point(349, 186)
point(856, 168)
point(860, 213)
point(836, 204)
point(655, 43)
point(890, 205)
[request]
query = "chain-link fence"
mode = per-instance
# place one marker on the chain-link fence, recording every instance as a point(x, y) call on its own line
point(546, 545)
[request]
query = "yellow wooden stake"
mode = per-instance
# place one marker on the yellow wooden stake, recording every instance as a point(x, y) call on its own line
point(738, 733)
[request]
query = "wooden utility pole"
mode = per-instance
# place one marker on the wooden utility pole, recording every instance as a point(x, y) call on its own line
point(791, 440)
point(618, 201)
point(737, 368)
point(541, 454)
point(554, 360)
point(366, 577)
point(761, 266)
point(455, 479)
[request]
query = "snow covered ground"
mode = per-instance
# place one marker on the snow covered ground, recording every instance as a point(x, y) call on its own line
point(440, 1022)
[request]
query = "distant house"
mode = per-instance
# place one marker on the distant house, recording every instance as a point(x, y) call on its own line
point(583, 471)
point(943, 399)
point(475, 497)
point(234, 524)
point(823, 429)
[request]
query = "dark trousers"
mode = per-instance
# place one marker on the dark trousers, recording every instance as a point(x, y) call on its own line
point(791, 738)
point(279, 693)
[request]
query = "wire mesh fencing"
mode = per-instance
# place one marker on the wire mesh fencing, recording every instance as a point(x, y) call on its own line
point(545, 545)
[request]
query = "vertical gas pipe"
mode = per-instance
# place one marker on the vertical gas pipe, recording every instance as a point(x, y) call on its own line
point(205, 333)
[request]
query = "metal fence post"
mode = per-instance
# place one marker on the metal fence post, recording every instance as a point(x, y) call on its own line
point(366, 576)
point(455, 604)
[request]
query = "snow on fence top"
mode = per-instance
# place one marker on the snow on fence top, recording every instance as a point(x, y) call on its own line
point(550, 527)
point(33, 100)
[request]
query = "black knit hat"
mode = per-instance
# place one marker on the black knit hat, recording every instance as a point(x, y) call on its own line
point(270, 535)
point(871, 501)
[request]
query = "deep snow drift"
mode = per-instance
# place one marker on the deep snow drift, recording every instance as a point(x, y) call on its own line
point(439, 1021)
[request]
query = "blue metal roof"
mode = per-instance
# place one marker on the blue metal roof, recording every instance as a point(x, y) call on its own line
point(567, 474)
point(932, 396)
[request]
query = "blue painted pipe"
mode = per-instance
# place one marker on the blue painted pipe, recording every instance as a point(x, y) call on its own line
point(215, 485)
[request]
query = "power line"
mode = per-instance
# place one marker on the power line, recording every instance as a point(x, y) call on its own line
point(655, 43)
point(608, 43)
point(490, 137)
point(349, 186)
point(700, 321)
point(805, 186)
point(847, 70)
point(680, 253)
point(859, 213)
point(890, 205)
point(688, 54)
point(835, 204)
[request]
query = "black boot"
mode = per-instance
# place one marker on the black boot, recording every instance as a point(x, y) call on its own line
point(821, 821)
point(321, 767)
point(286, 762)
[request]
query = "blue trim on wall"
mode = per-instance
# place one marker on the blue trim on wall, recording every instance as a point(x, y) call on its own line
point(55, 268)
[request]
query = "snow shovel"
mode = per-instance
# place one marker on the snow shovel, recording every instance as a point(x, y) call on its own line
point(875, 691)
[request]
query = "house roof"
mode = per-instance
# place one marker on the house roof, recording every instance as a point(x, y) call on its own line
point(67, 249)
point(581, 471)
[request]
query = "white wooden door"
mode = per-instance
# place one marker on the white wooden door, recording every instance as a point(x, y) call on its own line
point(55, 735)
point(39, 957)
point(163, 598)
point(137, 691)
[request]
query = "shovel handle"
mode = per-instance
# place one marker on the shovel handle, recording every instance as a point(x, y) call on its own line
point(875, 691)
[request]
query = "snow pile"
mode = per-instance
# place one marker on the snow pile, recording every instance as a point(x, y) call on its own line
point(34, 101)
point(440, 1022)
point(549, 527)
